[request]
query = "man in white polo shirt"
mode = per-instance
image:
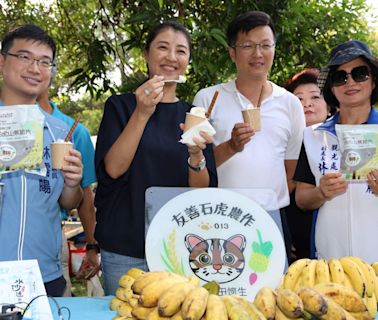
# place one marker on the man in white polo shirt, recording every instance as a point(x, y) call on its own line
point(246, 158)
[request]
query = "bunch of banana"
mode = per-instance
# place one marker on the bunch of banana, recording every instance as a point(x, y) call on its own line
point(125, 298)
point(350, 271)
point(329, 301)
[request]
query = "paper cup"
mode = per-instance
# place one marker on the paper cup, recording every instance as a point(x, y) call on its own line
point(192, 120)
point(252, 116)
point(58, 151)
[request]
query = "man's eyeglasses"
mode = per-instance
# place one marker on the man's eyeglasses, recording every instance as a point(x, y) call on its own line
point(250, 46)
point(359, 74)
point(27, 59)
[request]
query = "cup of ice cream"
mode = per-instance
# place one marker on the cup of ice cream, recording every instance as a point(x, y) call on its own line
point(251, 115)
point(194, 117)
point(59, 150)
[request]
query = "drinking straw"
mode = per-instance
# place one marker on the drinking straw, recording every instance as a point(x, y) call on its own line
point(212, 103)
point(69, 134)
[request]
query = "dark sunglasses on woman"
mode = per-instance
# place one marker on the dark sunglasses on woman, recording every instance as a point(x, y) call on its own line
point(359, 74)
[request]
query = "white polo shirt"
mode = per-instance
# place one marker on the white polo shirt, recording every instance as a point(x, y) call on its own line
point(261, 163)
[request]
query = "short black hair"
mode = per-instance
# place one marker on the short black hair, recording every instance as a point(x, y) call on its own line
point(331, 99)
point(304, 77)
point(247, 21)
point(169, 24)
point(28, 32)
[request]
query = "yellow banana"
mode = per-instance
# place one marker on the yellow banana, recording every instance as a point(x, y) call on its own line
point(313, 301)
point(375, 278)
point(342, 295)
point(135, 272)
point(322, 271)
point(141, 312)
point(194, 305)
point(265, 301)
point(215, 309)
point(334, 311)
point(251, 309)
point(368, 278)
point(123, 294)
point(124, 310)
point(147, 278)
point(348, 282)
point(126, 281)
point(308, 274)
point(154, 315)
point(348, 316)
point(281, 316)
point(336, 271)
point(120, 318)
point(371, 304)
point(375, 267)
point(355, 274)
point(235, 310)
point(133, 302)
point(293, 272)
point(170, 301)
point(150, 294)
point(115, 303)
point(194, 280)
point(177, 316)
point(361, 315)
point(299, 282)
point(289, 303)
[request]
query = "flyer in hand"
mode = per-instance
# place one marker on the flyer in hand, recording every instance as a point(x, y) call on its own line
point(21, 137)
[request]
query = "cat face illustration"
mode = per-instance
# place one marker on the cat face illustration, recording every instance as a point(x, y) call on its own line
point(216, 259)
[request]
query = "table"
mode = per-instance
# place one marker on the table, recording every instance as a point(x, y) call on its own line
point(83, 308)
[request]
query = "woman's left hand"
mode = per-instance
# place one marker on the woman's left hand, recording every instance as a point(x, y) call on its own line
point(373, 181)
point(73, 171)
point(199, 143)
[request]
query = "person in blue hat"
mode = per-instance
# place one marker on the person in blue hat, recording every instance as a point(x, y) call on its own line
point(347, 217)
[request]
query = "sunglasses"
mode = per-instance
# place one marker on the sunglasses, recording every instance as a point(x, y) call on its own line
point(359, 74)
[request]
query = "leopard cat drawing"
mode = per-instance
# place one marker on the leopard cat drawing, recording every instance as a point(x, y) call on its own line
point(216, 259)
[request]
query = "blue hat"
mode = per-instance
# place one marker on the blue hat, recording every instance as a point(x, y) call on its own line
point(349, 51)
point(344, 53)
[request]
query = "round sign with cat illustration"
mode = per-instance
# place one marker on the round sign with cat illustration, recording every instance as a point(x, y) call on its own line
point(217, 235)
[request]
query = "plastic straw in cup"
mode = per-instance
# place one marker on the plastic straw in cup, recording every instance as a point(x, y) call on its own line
point(69, 134)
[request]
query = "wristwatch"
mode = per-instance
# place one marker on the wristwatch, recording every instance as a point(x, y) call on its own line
point(92, 246)
point(199, 167)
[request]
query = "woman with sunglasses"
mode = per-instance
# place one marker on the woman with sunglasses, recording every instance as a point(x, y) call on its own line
point(347, 219)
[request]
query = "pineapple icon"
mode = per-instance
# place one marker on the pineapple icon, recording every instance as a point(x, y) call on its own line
point(261, 251)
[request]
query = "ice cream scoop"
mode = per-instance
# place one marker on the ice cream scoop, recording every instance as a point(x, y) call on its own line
point(198, 111)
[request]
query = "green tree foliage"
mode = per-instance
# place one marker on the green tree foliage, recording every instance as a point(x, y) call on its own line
point(100, 41)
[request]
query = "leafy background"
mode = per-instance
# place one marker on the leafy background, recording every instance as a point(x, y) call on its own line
point(100, 42)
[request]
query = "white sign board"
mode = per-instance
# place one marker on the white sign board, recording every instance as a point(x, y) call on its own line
point(20, 282)
point(217, 235)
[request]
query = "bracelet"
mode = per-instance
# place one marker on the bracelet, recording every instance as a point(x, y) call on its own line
point(92, 246)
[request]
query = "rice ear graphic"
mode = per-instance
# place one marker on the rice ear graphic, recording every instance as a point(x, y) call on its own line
point(170, 258)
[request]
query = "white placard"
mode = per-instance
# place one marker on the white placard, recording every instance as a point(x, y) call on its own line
point(20, 282)
point(218, 235)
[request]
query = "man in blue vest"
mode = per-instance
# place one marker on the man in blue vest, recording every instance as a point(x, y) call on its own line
point(30, 215)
